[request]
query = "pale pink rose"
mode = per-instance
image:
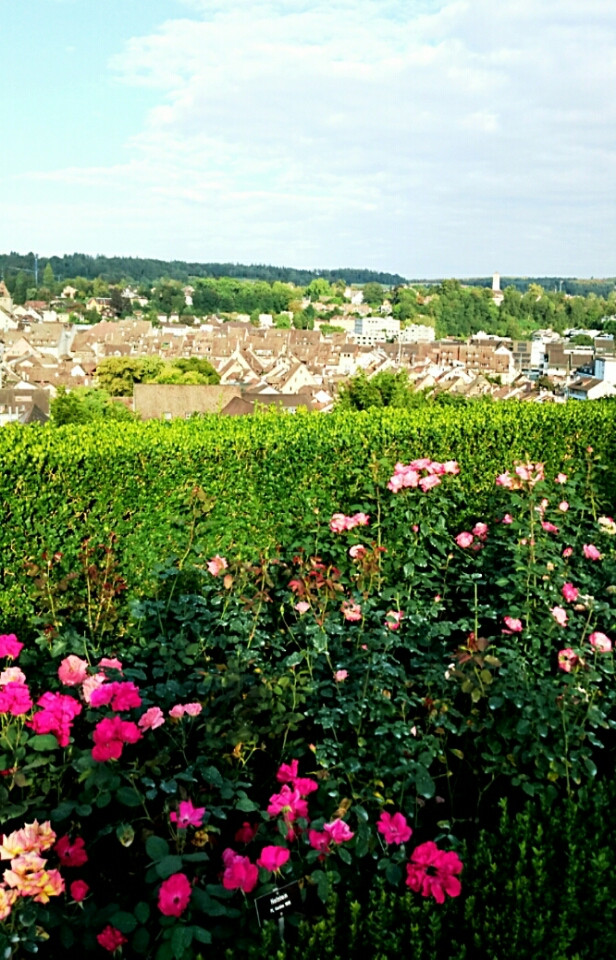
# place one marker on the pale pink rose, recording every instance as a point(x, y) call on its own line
point(357, 552)
point(451, 466)
point(591, 552)
point(507, 518)
point(415, 528)
point(427, 483)
point(340, 675)
point(567, 552)
point(523, 471)
point(561, 478)
point(302, 606)
point(360, 520)
point(513, 624)
point(72, 671)
point(563, 506)
point(177, 711)
point(338, 831)
point(216, 565)
point(504, 479)
point(12, 675)
point(193, 709)
point(569, 592)
point(90, 684)
point(549, 527)
point(567, 659)
point(543, 506)
point(600, 642)
point(480, 530)
point(151, 719)
point(560, 615)
point(464, 539)
point(338, 523)
point(112, 663)
point(351, 611)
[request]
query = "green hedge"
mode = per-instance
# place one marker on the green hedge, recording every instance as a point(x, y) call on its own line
point(263, 477)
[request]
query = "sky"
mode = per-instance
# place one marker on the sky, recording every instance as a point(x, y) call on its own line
point(432, 138)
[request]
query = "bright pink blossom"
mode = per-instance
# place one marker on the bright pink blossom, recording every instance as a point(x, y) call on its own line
point(287, 772)
point(319, 840)
point(15, 699)
point(567, 659)
point(340, 675)
point(591, 552)
point(72, 671)
point(174, 895)
point(480, 530)
point(337, 524)
point(273, 858)
point(560, 615)
point(56, 716)
point(394, 827)
point(118, 694)
point(464, 539)
point(507, 518)
point(216, 565)
point(429, 482)
point(513, 624)
point(338, 831)
point(600, 642)
point(111, 939)
point(10, 646)
point(239, 872)
point(110, 735)
point(190, 709)
point(92, 683)
point(79, 890)
point(187, 815)
point(305, 785)
point(433, 872)
point(71, 854)
point(351, 611)
point(289, 802)
point(151, 719)
point(569, 592)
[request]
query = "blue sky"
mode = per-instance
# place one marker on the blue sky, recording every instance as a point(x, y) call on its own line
point(429, 138)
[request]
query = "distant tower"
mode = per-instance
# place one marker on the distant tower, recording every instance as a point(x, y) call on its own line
point(5, 297)
point(496, 283)
point(497, 294)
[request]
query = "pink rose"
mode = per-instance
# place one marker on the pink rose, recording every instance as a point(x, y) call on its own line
point(569, 592)
point(216, 565)
point(351, 611)
point(561, 478)
point(480, 530)
point(563, 506)
point(464, 539)
point(513, 624)
point(357, 552)
point(394, 827)
point(79, 890)
point(591, 552)
point(338, 522)
point(600, 642)
point(549, 527)
point(10, 646)
point(151, 719)
point(567, 552)
point(560, 615)
point(340, 675)
point(273, 858)
point(239, 872)
point(174, 895)
point(394, 619)
point(567, 659)
point(72, 671)
point(338, 831)
point(507, 518)
point(111, 939)
point(302, 607)
point(187, 815)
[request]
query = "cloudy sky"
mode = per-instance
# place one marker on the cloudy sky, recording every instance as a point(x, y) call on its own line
point(428, 137)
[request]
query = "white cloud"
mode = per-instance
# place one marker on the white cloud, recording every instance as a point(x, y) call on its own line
point(424, 138)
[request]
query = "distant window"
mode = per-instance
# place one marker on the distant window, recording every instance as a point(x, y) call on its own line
point(167, 416)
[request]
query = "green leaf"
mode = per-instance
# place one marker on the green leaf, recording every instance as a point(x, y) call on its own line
point(181, 939)
point(141, 941)
point(168, 865)
point(43, 741)
point(424, 784)
point(125, 922)
point(201, 934)
point(156, 848)
point(142, 911)
point(62, 811)
point(246, 805)
point(129, 796)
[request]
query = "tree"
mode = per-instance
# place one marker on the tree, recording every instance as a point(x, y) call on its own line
point(49, 279)
point(85, 405)
point(373, 294)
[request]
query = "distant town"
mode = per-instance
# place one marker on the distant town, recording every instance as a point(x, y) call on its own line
point(299, 353)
